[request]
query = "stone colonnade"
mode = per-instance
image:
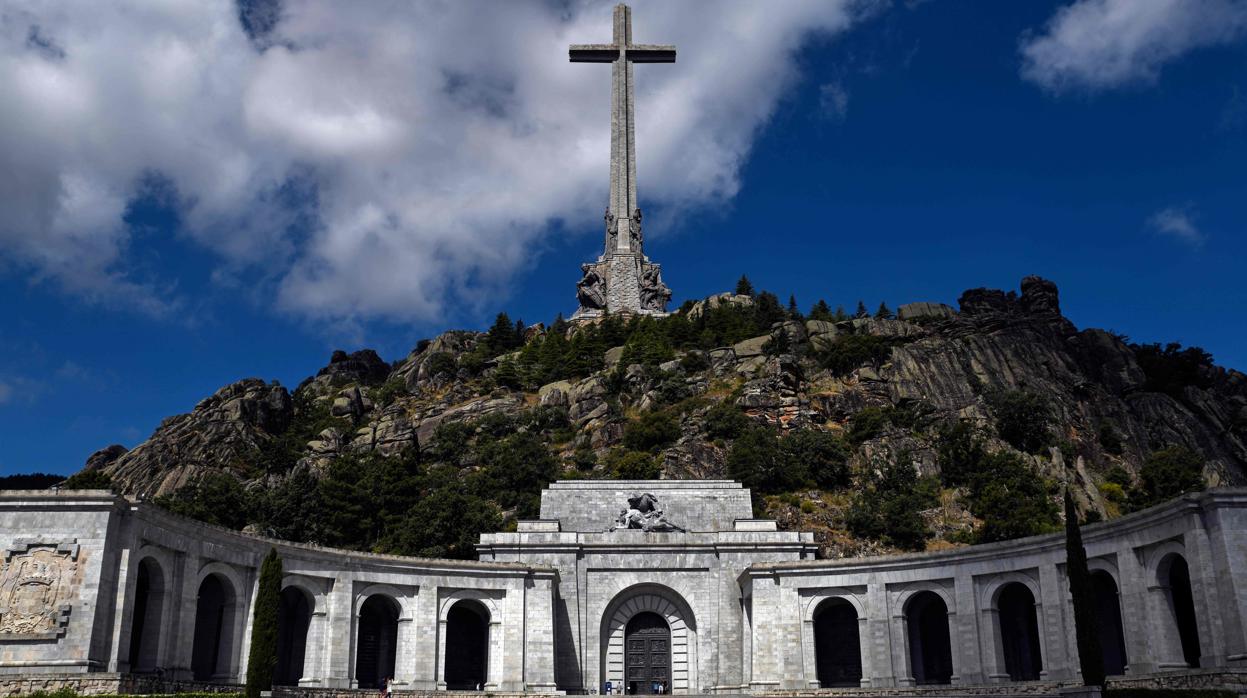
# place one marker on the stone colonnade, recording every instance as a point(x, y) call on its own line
point(1171, 595)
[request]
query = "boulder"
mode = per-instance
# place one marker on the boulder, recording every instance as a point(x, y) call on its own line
point(925, 311)
point(1040, 296)
point(751, 347)
point(612, 357)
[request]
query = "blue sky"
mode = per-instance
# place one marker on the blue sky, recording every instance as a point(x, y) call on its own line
point(885, 152)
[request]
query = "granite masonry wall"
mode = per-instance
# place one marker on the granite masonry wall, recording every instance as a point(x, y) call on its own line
point(109, 595)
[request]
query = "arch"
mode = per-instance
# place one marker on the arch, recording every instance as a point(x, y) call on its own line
point(1019, 631)
point(930, 643)
point(1174, 576)
point(467, 646)
point(674, 610)
point(212, 650)
point(294, 618)
point(376, 640)
point(1108, 621)
point(837, 643)
point(150, 594)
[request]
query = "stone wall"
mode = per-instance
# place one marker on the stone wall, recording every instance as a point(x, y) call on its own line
point(591, 506)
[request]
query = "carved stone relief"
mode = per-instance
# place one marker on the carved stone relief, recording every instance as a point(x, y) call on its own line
point(36, 584)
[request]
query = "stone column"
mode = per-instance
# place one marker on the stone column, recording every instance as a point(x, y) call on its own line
point(1049, 613)
point(408, 638)
point(878, 634)
point(340, 633)
point(1138, 616)
point(119, 658)
point(767, 637)
point(539, 634)
point(964, 629)
point(424, 671)
point(314, 663)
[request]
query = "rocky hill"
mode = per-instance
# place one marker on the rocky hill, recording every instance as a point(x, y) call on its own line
point(877, 431)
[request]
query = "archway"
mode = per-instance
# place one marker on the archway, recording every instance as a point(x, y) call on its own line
point(377, 642)
point(294, 617)
point(149, 593)
point(674, 612)
point(212, 651)
point(1019, 632)
point(837, 644)
point(930, 645)
point(1108, 620)
point(467, 646)
point(647, 648)
point(1176, 577)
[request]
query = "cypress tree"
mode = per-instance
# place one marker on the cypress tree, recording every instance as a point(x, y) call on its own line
point(262, 659)
point(1090, 658)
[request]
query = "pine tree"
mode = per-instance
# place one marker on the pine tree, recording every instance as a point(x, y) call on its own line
point(821, 311)
point(744, 287)
point(501, 336)
point(1090, 658)
point(861, 310)
point(794, 312)
point(840, 315)
point(884, 312)
point(262, 659)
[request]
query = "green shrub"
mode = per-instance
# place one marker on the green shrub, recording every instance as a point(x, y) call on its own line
point(623, 464)
point(1110, 439)
point(1023, 420)
point(807, 507)
point(1170, 369)
point(757, 461)
point(823, 456)
point(216, 498)
point(725, 421)
point(88, 480)
point(1011, 499)
point(1119, 476)
point(450, 442)
point(652, 432)
point(866, 425)
point(889, 507)
point(1166, 474)
point(850, 351)
point(440, 364)
point(1113, 492)
point(694, 362)
point(959, 453)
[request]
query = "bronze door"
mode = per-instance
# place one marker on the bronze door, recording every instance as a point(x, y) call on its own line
point(648, 657)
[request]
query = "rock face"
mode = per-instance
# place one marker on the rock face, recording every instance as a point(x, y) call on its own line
point(222, 431)
point(942, 363)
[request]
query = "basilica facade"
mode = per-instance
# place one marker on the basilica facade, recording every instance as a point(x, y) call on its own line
point(626, 586)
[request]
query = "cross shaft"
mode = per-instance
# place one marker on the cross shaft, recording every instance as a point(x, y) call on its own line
point(622, 53)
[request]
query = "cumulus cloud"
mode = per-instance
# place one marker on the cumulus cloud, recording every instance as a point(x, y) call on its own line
point(368, 159)
point(1177, 223)
point(1103, 44)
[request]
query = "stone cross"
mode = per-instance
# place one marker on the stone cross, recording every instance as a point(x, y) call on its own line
point(622, 53)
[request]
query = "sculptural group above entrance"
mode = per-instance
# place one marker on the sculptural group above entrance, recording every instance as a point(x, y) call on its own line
point(643, 513)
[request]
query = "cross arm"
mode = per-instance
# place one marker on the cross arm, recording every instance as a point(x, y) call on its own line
point(651, 53)
point(593, 53)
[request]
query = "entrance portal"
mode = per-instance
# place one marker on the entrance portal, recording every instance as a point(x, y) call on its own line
point(837, 644)
point(294, 616)
point(377, 641)
point(1019, 633)
point(930, 646)
point(1182, 602)
point(648, 660)
point(467, 646)
point(1108, 620)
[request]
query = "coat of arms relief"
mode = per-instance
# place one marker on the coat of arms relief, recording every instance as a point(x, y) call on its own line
point(36, 584)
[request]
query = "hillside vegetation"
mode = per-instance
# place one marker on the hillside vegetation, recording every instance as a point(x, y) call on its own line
point(926, 428)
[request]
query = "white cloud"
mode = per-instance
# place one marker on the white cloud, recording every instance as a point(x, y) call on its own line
point(1102, 44)
point(833, 99)
point(436, 147)
point(1178, 224)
